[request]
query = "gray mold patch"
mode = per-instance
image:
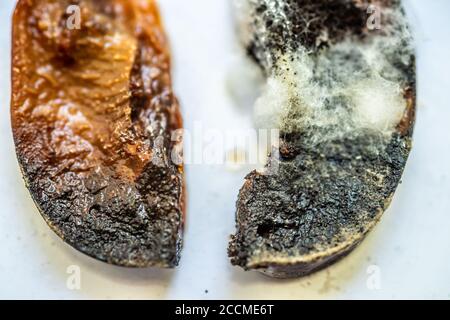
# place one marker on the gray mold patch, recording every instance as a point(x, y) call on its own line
point(339, 93)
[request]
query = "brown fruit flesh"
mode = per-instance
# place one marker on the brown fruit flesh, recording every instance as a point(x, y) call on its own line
point(89, 106)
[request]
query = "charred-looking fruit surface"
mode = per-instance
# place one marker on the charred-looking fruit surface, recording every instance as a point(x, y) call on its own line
point(343, 97)
point(92, 114)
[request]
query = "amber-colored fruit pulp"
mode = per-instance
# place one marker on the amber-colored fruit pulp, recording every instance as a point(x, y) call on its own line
point(85, 97)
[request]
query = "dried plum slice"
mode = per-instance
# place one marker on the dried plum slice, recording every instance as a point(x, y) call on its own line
point(92, 109)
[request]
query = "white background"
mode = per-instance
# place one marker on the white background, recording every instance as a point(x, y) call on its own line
point(411, 246)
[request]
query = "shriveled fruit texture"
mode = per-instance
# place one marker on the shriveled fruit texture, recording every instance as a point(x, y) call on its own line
point(93, 115)
point(340, 87)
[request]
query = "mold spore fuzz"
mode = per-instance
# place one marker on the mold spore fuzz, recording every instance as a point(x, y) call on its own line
point(353, 83)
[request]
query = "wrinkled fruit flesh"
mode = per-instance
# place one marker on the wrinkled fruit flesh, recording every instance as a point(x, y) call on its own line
point(342, 95)
point(93, 115)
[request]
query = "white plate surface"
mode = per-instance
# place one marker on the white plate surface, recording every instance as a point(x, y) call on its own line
point(409, 251)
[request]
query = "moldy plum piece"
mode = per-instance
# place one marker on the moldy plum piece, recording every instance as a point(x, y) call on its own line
point(343, 98)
